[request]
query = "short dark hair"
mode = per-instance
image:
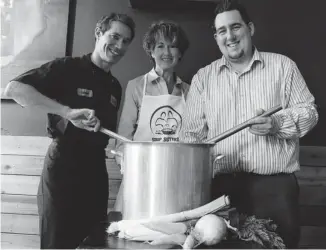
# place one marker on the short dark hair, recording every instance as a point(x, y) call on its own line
point(104, 23)
point(169, 30)
point(228, 5)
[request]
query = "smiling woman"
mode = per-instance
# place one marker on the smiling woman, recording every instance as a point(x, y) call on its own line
point(154, 102)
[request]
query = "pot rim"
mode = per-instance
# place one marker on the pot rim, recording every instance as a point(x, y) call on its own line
point(170, 143)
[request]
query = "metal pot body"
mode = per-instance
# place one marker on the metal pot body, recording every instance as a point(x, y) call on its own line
point(165, 178)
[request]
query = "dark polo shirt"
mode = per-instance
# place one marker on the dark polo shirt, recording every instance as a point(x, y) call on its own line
point(78, 83)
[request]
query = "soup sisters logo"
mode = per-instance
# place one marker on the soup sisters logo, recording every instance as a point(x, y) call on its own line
point(165, 123)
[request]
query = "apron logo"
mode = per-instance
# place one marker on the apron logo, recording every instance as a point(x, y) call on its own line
point(113, 101)
point(85, 92)
point(165, 121)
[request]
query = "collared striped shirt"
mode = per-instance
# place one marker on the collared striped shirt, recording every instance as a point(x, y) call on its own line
point(219, 99)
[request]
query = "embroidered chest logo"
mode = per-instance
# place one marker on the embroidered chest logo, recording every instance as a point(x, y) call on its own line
point(165, 121)
point(113, 101)
point(85, 92)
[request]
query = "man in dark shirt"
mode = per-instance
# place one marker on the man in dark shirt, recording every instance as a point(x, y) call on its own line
point(79, 95)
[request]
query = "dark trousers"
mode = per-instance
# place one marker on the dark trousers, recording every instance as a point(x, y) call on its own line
point(274, 197)
point(72, 195)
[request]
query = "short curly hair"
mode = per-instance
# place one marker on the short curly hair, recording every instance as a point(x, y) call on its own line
point(104, 23)
point(170, 31)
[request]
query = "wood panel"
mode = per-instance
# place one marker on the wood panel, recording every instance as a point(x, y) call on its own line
point(313, 156)
point(310, 172)
point(313, 237)
point(19, 223)
point(311, 176)
point(21, 165)
point(33, 165)
point(312, 195)
point(34, 145)
point(24, 145)
point(19, 241)
point(28, 185)
point(313, 216)
point(311, 182)
point(19, 204)
point(19, 184)
point(27, 204)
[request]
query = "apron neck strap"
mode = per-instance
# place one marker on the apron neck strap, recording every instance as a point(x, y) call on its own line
point(145, 84)
point(146, 81)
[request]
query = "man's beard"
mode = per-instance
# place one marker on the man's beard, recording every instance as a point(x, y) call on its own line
point(237, 56)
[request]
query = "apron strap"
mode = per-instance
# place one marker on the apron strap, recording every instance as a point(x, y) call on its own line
point(145, 85)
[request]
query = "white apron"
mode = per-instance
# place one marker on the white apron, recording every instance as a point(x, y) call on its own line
point(160, 119)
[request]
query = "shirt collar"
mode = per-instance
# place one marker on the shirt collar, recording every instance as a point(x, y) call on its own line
point(256, 58)
point(88, 58)
point(153, 76)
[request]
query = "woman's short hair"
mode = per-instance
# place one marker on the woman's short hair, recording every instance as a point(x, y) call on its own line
point(168, 30)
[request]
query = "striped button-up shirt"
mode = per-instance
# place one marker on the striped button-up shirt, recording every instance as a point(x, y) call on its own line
point(220, 98)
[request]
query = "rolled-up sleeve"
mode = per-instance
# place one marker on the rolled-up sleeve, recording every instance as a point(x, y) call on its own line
point(194, 127)
point(45, 79)
point(299, 114)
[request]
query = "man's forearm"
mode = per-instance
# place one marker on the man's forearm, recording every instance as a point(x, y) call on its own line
point(296, 122)
point(28, 96)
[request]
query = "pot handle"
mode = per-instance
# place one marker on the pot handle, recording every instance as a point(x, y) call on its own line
point(120, 154)
point(114, 135)
point(218, 157)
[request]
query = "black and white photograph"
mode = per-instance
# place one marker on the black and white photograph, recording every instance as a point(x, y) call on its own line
point(163, 124)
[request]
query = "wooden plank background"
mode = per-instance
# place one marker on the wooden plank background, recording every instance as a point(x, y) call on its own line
point(22, 163)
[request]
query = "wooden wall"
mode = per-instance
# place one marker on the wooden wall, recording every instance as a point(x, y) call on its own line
point(21, 166)
point(22, 162)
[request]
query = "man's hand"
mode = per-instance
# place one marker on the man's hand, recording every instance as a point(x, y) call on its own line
point(262, 125)
point(84, 119)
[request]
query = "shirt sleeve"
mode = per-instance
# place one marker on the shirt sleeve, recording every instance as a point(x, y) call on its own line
point(299, 114)
point(46, 78)
point(194, 127)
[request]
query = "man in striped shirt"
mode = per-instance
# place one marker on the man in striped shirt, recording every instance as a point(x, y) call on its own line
point(259, 164)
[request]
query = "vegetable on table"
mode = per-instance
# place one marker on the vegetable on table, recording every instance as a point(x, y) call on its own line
point(175, 239)
point(140, 233)
point(209, 230)
point(168, 227)
point(212, 207)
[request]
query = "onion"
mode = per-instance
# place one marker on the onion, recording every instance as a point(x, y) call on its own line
point(209, 230)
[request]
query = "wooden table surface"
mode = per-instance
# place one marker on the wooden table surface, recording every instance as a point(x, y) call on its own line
point(99, 239)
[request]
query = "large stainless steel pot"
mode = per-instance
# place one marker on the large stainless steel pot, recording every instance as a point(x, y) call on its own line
point(167, 177)
point(162, 178)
